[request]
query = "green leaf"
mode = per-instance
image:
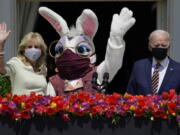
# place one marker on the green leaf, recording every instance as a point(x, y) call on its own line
point(5, 85)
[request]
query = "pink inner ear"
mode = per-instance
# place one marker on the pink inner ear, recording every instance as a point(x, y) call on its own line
point(53, 22)
point(89, 26)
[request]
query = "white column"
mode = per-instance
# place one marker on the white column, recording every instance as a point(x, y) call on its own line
point(8, 15)
point(174, 28)
point(162, 14)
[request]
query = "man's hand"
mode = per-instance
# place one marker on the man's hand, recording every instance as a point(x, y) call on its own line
point(121, 23)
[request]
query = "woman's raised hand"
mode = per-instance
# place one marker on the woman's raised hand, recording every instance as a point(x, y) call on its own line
point(4, 33)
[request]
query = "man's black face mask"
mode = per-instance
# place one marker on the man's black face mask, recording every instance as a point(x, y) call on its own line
point(159, 53)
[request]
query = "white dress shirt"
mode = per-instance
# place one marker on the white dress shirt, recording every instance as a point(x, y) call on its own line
point(162, 70)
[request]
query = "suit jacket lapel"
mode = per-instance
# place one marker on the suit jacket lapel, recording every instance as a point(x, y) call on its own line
point(167, 76)
point(148, 74)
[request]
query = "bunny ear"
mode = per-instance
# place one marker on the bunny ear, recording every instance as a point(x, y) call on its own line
point(87, 23)
point(55, 20)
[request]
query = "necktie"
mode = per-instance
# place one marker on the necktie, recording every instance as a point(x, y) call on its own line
point(155, 79)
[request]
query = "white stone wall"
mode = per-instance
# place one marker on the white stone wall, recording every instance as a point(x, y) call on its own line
point(173, 11)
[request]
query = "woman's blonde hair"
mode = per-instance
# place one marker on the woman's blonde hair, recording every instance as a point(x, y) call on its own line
point(38, 40)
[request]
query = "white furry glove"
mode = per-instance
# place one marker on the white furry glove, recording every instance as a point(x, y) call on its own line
point(120, 25)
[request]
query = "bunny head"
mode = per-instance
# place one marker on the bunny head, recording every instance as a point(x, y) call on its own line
point(78, 39)
point(75, 51)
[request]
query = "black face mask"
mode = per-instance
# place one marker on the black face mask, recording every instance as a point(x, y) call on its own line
point(159, 53)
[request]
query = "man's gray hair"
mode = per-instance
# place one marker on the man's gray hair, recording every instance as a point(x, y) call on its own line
point(159, 31)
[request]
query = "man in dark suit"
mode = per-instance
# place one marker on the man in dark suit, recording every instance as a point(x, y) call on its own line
point(157, 74)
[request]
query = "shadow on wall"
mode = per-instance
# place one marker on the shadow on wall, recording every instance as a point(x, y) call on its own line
point(56, 125)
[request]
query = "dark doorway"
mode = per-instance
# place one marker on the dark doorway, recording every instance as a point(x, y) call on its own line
point(136, 38)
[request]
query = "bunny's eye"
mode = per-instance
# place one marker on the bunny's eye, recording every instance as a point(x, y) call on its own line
point(83, 49)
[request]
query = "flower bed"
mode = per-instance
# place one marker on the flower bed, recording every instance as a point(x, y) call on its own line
point(81, 104)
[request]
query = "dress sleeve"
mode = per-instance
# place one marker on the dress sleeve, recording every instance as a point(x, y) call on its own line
point(112, 62)
point(50, 90)
point(11, 67)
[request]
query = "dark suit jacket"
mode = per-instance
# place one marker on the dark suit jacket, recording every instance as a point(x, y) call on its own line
point(140, 80)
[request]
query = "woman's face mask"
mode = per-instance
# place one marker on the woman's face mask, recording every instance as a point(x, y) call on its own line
point(32, 54)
